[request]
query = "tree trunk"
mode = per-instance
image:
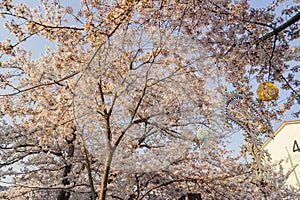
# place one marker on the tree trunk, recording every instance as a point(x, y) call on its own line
point(65, 194)
point(105, 173)
point(88, 166)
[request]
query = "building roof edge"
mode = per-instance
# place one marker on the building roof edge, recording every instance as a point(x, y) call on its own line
point(279, 129)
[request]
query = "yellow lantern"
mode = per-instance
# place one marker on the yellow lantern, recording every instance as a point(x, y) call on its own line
point(267, 91)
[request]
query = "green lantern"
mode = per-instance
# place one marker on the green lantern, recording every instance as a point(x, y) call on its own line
point(166, 165)
point(202, 134)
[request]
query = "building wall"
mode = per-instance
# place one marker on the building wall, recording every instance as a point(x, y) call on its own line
point(286, 146)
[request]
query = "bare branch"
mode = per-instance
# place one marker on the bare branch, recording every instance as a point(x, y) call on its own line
point(288, 23)
point(41, 85)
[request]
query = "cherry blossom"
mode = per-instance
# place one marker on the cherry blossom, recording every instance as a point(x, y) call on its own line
point(111, 109)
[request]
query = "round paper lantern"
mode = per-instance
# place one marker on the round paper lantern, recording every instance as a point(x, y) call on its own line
point(166, 165)
point(202, 134)
point(267, 91)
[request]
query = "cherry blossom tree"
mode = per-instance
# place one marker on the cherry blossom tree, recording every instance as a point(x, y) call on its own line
point(111, 110)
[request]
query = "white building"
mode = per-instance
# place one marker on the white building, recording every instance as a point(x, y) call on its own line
point(286, 146)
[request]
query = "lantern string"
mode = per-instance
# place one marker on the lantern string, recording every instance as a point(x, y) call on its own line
point(271, 57)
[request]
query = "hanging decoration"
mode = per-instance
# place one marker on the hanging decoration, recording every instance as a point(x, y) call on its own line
point(202, 134)
point(166, 165)
point(267, 91)
point(243, 112)
point(240, 110)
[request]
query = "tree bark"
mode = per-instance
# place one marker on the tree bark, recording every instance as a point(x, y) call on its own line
point(88, 165)
point(109, 155)
point(288, 23)
point(65, 194)
point(105, 174)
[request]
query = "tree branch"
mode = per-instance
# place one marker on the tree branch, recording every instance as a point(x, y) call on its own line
point(43, 84)
point(165, 184)
point(280, 28)
point(288, 84)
